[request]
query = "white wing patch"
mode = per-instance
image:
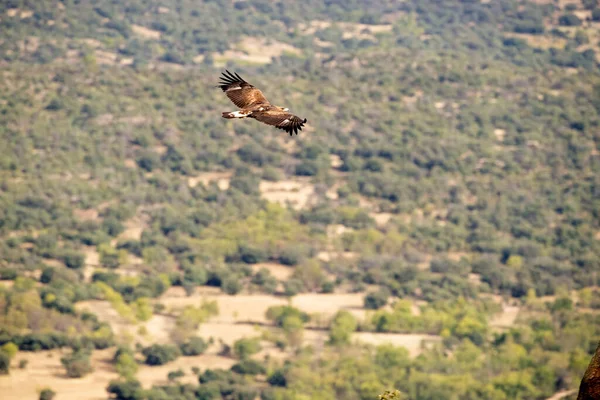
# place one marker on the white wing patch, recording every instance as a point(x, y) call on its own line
point(239, 114)
point(285, 122)
point(234, 88)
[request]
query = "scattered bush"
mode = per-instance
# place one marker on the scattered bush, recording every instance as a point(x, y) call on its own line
point(193, 347)
point(47, 394)
point(249, 367)
point(77, 364)
point(376, 300)
point(160, 354)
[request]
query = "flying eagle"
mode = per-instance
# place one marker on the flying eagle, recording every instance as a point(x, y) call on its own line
point(253, 104)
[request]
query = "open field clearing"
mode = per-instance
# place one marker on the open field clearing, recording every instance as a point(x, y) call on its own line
point(44, 369)
point(279, 271)
point(220, 178)
point(297, 192)
point(414, 343)
point(252, 308)
point(253, 50)
point(506, 318)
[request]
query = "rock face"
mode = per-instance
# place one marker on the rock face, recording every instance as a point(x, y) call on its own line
point(590, 384)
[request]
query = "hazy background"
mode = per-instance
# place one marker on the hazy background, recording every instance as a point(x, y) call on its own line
point(434, 229)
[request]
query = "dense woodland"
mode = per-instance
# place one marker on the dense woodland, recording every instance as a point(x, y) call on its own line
point(476, 125)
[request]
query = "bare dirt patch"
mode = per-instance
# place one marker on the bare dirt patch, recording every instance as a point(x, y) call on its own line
point(221, 178)
point(279, 271)
point(562, 394)
point(331, 255)
point(540, 41)
point(136, 120)
point(414, 343)
point(86, 215)
point(382, 218)
point(145, 32)
point(133, 229)
point(45, 370)
point(246, 308)
point(228, 333)
point(104, 119)
point(506, 318)
point(105, 57)
point(499, 133)
point(350, 30)
point(93, 43)
point(298, 193)
point(337, 230)
point(255, 51)
point(251, 308)
point(92, 257)
point(335, 161)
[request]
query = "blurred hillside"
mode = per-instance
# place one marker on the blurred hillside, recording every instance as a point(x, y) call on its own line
point(448, 179)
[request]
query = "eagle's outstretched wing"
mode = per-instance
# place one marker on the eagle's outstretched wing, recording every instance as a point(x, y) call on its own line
point(281, 120)
point(240, 92)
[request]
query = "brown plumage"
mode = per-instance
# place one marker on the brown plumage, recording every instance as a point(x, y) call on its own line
point(589, 388)
point(253, 104)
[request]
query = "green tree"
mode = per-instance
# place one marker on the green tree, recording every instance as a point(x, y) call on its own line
point(160, 354)
point(126, 390)
point(10, 348)
point(341, 328)
point(245, 347)
point(193, 346)
point(126, 365)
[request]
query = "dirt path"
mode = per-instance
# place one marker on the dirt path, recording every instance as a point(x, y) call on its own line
point(562, 395)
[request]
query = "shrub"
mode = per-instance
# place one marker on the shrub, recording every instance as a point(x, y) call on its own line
point(193, 347)
point(569, 20)
point(73, 259)
point(307, 168)
point(529, 27)
point(376, 300)
point(4, 363)
point(125, 390)
point(249, 367)
point(231, 285)
point(209, 391)
point(160, 354)
point(278, 314)
point(173, 375)
point(77, 364)
point(125, 363)
point(245, 347)
point(342, 326)
point(251, 255)
point(293, 286)
point(277, 378)
point(47, 394)
point(8, 274)
point(292, 255)
point(328, 287)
